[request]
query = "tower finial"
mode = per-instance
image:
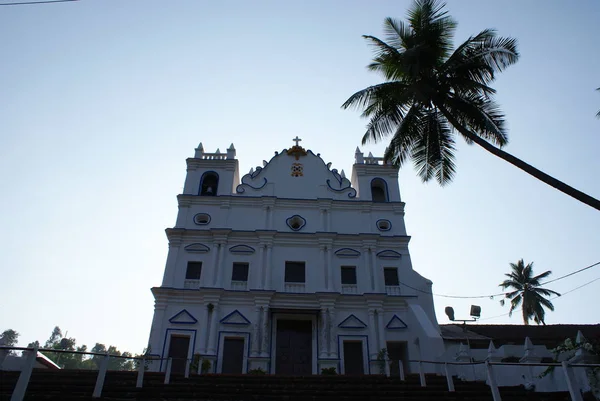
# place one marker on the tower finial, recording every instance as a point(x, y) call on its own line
point(296, 139)
point(199, 151)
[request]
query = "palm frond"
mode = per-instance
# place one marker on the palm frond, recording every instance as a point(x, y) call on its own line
point(545, 302)
point(433, 152)
point(514, 304)
point(374, 94)
point(512, 294)
point(388, 60)
point(512, 284)
point(542, 275)
point(406, 134)
point(429, 20)
point(479, 115)
point(397, 33)
point(545, 292)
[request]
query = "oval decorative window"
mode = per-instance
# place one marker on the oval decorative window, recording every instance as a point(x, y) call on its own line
point(202, 219)
point(384, 225)
point(296, 222)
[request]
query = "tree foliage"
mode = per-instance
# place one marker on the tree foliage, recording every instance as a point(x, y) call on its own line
point(526, 291)
point(9, 337)
point(58, 341)
point(433, 90)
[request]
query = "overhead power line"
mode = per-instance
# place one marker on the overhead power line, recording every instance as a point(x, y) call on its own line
point(570, 274)
point(23, 3)
point(551, 299)
point(493, 295)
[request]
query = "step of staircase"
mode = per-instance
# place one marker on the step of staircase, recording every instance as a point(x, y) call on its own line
point(74, 385)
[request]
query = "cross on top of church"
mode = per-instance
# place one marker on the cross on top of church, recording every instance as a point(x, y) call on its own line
point(296, 139)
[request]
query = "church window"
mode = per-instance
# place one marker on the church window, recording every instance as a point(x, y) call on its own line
point(390, 275)
point(295, 272)
point(194, 269)
point(384, 225)
point(295, 222)
point(209, 183)
point(349, 275)
point(202, 219)
point(239, 272)
point(379, 190)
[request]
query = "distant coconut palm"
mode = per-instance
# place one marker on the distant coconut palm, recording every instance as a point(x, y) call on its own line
point(527, 291)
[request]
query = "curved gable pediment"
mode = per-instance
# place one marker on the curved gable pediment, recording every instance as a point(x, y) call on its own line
point(296, 173)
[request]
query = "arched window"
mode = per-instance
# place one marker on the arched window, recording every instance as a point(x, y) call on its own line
point(209, 183)
point(379, 191)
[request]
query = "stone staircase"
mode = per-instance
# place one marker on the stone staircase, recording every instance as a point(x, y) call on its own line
point(71, 385)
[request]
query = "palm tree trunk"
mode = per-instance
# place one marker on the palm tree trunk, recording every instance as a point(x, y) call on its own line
point(540, 175)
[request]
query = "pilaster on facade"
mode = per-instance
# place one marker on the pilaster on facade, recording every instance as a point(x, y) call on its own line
point(265, 331)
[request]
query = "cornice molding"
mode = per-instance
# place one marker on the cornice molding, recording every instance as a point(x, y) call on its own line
point(261, 201)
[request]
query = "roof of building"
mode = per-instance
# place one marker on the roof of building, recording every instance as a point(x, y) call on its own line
point(549, 335)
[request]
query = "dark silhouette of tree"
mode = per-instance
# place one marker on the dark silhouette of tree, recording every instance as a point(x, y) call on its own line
point(526, 291)
point(433, 90)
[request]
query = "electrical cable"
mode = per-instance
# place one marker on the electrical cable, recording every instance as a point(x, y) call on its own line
point(551, 299)
point(35, 2)
point(493, 295)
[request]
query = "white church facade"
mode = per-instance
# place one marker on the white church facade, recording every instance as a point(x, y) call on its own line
point(291, 269)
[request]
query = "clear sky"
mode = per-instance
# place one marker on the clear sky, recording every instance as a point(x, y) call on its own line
point(101, 102)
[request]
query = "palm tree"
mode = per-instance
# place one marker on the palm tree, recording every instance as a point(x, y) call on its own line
point(432, 91)
point(527, 291)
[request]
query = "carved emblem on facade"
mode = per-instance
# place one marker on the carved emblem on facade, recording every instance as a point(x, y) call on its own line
point(297, 170)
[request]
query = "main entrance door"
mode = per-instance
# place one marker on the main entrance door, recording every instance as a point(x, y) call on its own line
point(178, 350)
point(294, 347)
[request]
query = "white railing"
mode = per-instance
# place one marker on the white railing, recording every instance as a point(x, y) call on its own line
point(20, 389)
point(294, 287)
point(239, 285)
point(349, 289)
point(392, 290)
point(214, 156)
point(193, 284)
point(374, 160)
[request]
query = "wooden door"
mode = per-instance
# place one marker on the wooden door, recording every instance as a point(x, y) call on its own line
point(353, 358)
point(233, 356)
point(294, 348)
point(178, 350)
point(397, 352)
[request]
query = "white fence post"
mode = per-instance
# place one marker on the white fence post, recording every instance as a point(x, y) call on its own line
point(101, 375)
point(422, 375)
point(187, 368)
point(571, 383)
point(168, 371)
point(401, 370)
point(141, 369)
point(449, 378)
point(21, 386)
point(492, 382)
